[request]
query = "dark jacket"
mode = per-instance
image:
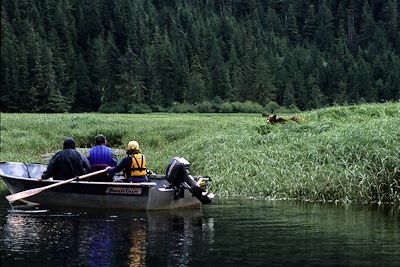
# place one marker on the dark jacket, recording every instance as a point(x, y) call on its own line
point(124, 166)
point(67, 164)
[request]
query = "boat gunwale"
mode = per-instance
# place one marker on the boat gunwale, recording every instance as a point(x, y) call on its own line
point(147, 184)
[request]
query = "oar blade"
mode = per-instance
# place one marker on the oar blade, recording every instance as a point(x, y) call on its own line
point(23, 194)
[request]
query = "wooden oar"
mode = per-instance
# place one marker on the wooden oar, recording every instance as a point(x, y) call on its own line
point(31, 192)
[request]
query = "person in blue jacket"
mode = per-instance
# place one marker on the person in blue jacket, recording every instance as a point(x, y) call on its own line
point(100, 157)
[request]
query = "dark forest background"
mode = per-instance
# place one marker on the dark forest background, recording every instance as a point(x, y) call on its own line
point(200, 55)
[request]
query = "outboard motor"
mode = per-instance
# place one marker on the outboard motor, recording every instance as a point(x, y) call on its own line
point(179, 178)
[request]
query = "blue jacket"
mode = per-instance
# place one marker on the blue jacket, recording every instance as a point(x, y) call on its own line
point(100, 156)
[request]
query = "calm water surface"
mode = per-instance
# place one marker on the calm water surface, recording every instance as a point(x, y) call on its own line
point(226, 233)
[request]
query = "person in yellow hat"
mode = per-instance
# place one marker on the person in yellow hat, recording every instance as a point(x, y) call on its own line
point(134, 166)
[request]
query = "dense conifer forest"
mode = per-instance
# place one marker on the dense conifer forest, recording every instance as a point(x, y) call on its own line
point(150, 55)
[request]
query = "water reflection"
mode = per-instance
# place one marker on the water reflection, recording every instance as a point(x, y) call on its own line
point(22, 233)
point(100, 244)
point(312, 234)
point(189, 235)
point(102, 239)
point(137, 252)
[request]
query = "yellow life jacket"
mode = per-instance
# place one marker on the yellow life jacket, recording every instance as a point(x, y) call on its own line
point(138, 166)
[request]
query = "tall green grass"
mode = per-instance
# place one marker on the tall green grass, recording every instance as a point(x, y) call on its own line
point(339, 154)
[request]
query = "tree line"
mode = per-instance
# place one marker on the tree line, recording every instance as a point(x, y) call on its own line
point(151, 55)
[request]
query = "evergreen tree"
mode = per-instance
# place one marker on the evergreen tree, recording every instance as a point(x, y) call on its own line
point(363, 85)
point(180, 72)
point(309, 23)
point(265, 90)
point(50, 96)
point(221, 86)
point(25, 96)
point(324, 30)
point(61, 73)
point(368, 26)
point(151, 77)
point(392, 90)
point(167, 69)
point(341, 96)
point(236, 75)
point(112, 69)
point(291, 25)
point(130, 84)
point(196, 85)
point(392, 22)
point(273, 22)
point(314, 93)
point(288, 96)
point(8, 63)
point(83, 87)
point(97, 70)
point(55, 102)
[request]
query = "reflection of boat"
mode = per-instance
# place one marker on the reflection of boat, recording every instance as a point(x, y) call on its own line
point(183, 190)
point(82, 237)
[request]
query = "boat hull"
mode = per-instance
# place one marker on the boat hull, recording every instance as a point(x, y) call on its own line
point(153, 195)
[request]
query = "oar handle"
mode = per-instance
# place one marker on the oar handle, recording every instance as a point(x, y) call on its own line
point(75, 179)
point(91, 174)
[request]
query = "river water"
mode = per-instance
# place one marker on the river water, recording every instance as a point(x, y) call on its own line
point(225, 233)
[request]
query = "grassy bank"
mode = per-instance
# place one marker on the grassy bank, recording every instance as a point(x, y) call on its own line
point(334, 154)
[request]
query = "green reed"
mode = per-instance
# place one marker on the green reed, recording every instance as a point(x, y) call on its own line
point(339, 154)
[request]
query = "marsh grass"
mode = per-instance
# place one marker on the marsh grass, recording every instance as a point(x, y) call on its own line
point(338, 154)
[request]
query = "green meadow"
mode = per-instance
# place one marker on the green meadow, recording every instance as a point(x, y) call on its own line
point(339, 154)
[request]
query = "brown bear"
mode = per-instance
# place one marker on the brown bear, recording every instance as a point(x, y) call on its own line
point(274, 119)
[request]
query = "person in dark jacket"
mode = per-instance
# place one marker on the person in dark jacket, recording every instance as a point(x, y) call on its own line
point(100, 157)
point(134, 166)
point(67, 163)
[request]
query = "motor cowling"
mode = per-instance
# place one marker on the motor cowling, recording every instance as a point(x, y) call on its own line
point(179, 177)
